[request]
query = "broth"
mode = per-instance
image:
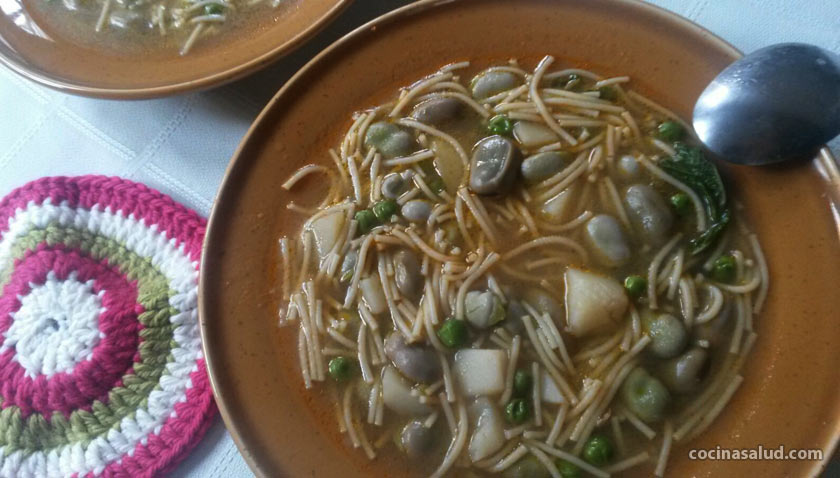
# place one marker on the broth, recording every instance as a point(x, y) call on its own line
point(136, 27)
point(535, 273)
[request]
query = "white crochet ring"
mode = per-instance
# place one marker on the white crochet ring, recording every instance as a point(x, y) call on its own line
point(56, 326)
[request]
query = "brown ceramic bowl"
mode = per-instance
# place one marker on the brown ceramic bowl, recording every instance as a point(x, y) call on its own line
point(35, 45)
point(790, 395)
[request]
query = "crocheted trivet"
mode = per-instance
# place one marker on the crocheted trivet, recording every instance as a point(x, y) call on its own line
point(101, 370)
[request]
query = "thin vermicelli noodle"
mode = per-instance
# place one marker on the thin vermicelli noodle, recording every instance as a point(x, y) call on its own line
point(500, 269)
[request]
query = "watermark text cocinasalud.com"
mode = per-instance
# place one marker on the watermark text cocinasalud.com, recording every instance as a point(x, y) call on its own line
point(759, 452)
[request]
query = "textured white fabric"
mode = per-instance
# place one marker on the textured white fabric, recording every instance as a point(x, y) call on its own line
point(181, 145)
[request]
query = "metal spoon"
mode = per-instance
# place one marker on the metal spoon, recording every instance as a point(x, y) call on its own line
point(780, 102)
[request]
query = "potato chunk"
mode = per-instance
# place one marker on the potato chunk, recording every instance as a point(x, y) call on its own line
point(373, 294)
point(327, 230)
point(396, 393)
point(557, 209)
point(594, 303)
point(548, 390)
point(480, 371)
point(488, 434)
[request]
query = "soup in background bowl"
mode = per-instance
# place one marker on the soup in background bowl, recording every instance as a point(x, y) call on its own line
point(284, 428)
point(132, 49)
point(134, 27)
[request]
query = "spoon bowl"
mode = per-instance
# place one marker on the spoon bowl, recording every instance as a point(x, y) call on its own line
point(777, 103)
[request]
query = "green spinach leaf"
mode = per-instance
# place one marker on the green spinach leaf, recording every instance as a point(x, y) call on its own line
point(707, 238)
point(691, 167)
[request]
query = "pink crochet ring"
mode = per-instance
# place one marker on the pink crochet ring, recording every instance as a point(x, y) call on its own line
point(101, 370)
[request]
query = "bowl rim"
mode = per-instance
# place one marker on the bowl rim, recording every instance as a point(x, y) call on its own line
point(214, 221)
point(208, 81)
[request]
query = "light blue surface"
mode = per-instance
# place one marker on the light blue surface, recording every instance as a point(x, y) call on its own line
point(181, 145)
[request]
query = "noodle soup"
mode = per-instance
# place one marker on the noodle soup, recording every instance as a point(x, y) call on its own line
point(135, 26)
point(522, 273)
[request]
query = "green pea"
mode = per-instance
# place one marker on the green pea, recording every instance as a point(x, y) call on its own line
point(568, 469)
point(453, 333)
point(517, 410)
point(367, 220)
point(608, 93)
point(635, 286)
point(213, 9)
point(339, 368)
point(681, 203)
point(644, 395)
point(522, 382)
point(598, 450)
point(500, 124)
point(383, 210)
point(670, 131)
point(724, 268)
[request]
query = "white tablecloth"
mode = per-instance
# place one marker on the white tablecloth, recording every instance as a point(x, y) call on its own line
point(181, 145)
